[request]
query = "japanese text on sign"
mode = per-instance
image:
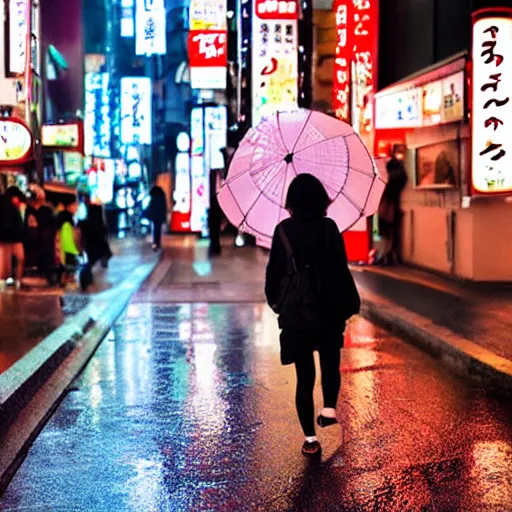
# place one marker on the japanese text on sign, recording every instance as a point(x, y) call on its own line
point(276, 9)
point(151, 35)
point(18, 29)
point(492, 105)
point(343, 62)
point(207, 49)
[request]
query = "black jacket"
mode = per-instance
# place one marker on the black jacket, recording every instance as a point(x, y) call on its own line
point(318, 240)
point(11, 222)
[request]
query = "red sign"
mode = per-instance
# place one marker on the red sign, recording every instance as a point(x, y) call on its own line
point(276, 9)
point(207, 48)
point(343, 61)
point(356, 24)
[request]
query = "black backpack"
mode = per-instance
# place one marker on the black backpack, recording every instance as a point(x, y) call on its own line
point(300, 298)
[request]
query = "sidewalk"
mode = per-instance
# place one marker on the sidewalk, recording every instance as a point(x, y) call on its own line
point(46, 339)
point(29, 315)
point(468, 325)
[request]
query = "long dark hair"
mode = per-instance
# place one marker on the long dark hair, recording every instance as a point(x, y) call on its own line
point(307, 198)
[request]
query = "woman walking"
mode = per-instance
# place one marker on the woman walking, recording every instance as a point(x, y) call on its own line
point(309, 285)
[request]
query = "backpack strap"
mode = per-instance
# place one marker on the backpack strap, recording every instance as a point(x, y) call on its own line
point(288, 248)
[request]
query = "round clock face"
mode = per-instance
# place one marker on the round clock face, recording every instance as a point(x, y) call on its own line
point(15, 141)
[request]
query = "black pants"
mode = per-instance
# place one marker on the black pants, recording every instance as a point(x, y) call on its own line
point(306, 374)
point(157, 233)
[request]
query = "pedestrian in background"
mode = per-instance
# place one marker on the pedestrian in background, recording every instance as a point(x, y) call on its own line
point(68, 240)
point(156, 212)
point(390, 213)
point(94, 237)
point(12, 254)
point(308, 284)
point(214, 215)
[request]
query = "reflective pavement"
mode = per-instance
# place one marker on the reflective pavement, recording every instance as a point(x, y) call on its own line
point(29, 315)
point(482, 314)
point(185, 407)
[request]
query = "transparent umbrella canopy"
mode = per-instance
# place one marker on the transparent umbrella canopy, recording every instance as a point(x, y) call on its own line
point(253, 195)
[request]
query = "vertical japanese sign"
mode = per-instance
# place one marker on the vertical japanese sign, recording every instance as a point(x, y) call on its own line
point(136, 110)
point(274, 57)
point(97, 122)
point(492, 103)
point(151, 32)
point(343, 59)
point(364, 38)
point(19, 12)
point(356, 23)
point(199, 175)
point(127, 22)
point(207, 44)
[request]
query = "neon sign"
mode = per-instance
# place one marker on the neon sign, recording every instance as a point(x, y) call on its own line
point(151, 32)
point(492, 101)
point(136, 110)
point(274, 64)
point(18, 32)
point(356, 22)
point(342, 63)
point(97, 125)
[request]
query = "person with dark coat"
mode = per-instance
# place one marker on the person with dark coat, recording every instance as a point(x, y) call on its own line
point(157, 214)
point(318, 247)
point(214, 216)
point(95, 242)
point(390, 212)
point(47, 261)
point(12, 255)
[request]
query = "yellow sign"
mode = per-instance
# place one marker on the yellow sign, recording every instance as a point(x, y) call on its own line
point(60, 135)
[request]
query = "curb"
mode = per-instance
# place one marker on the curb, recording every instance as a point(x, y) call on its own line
point(32, 388)
point(463, 356)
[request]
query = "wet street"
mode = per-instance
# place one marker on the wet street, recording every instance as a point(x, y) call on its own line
point(185, 407)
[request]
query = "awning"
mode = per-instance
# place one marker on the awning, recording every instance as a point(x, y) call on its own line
point(437, 71)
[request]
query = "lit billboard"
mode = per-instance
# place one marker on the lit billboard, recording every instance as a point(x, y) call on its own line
point(97, 124)
point(492, 103)
point(208, 15)
point(127, 18)
point(274, 58)
point(136, 110)
point(151, 32)
point(207, 51)
point(18, 32)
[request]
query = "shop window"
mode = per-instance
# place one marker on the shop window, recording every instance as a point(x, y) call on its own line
point(438, 165)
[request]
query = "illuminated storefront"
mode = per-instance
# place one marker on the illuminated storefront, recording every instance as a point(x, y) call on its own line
point(424, 119)
point(452, 120)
